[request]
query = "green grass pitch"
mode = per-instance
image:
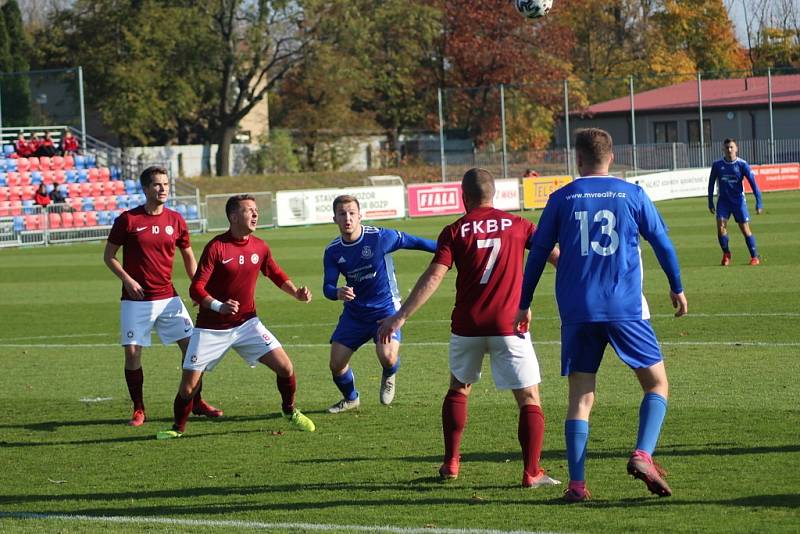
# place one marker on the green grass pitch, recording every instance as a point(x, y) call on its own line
point(730, 441)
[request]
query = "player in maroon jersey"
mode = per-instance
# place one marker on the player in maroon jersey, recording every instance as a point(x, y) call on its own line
point(487, 246)
point(149, 235)
point(224, 286)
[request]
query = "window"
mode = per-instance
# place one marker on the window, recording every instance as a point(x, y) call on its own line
point(693, 129)
point(666, 132)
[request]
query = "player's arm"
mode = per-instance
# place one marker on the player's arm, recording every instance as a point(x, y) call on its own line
point(302, 293)
point(668, 259)
point(273, 271)
point(412, 242)
point(330, 278)
point(197, 289)
point(132, 287)
point(425, 287)
point(542, 249)
point(751, 178)
point(712, 180)
point(189, 262)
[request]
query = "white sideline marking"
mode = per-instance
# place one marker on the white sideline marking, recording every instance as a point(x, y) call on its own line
point(322, 527)
point(424, 344)
point(95, 399)
point(332, 324)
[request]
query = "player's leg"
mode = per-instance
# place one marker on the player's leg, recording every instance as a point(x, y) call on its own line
point(723, 214)
point(136, 323)
point(279, 362)
point(389, 358)
point(134, 378)
point(199, 406)
point(343, 378)
point(182, 405)
point(742, 217)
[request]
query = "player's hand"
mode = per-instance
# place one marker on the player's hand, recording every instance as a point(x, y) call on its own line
point(759, 211)
point(133, 289)
point(303, 294)
point(679, 303)
point(229, 307)
point(712, 210)
point(345, 293)
point(389, 326)
point(522, 322)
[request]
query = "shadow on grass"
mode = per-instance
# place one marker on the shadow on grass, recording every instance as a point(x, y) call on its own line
point(53, 426)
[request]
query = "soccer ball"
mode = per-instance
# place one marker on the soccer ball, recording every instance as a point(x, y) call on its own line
point(533, 9)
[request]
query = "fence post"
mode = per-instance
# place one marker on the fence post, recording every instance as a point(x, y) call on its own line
point(566, 127)
point(503, 128)
point(83, 109)
point(633, 125)
point(443, 162)
point(771, 125)
point(700, 105)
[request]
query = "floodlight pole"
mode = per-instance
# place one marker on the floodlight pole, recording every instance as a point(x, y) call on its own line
point(503, 128)
point(443, 164)
point(771, 124)
point(633, 125)
point(700, 106)
point(83, 109)
point(1, 116)
point(566, 127)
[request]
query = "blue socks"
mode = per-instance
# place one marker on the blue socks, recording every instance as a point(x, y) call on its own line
point(651, 416)
point(389, 371)
point(347, 384)
point(723, 242)
point(751, 245)
point(576, 434)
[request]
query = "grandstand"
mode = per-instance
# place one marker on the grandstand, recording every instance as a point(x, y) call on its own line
point(95, 196)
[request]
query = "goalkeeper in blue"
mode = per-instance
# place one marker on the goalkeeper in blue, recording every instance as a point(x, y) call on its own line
point(596, 221)
point(362, 254)
point(728, 174)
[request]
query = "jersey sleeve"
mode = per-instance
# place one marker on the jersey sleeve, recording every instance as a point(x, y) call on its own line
point(119, 230)
point(330, 276)
point(649, 219)
point(542, 243)
point(444, 248)
point(197, 289)
point(183, 241)
point(412, 242)
point(654, 230)
point(747, 172)
point(271, 269)
point(712, 180)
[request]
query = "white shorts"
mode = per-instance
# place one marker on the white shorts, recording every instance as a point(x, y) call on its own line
point(138, 317)
point(207, 347)
point(513, 360)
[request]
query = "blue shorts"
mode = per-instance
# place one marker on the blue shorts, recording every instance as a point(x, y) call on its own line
point(583, 344)
point(739, 210)
point(352, 332)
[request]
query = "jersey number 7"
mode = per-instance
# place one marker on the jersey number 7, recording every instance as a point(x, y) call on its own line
point(494, 245)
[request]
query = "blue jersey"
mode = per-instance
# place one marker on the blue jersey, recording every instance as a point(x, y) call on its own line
point(368, 268)
point(597, 222)
point(729, 177)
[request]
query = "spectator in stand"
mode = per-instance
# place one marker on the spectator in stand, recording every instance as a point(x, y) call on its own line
point(22, 147)
point(47, 147)
point(41, 198)
point(69, 144)
point(58, 196)
point(34, 144)
point(530, 173)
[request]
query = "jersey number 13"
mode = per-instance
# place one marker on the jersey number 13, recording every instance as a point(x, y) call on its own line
point(606, 229)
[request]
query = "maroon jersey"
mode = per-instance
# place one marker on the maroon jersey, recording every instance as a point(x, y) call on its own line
point(228, 269)
point(487, 246)
point(148, 249)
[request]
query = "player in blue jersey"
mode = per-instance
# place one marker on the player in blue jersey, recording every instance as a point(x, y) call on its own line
point(596, 221)
point(728, 174)
point(362, 254)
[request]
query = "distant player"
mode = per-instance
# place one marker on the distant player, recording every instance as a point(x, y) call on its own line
point(487, 246)
point(362, 254)
point(149, 235)
point(728, 174)
point(225, 285)
point(596, 221)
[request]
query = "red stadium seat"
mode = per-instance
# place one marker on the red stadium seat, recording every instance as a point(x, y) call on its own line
point(118, 187)
point(90, 218)
point(4, 194)
point(15, 207)
point(5, 208)
point(68, 219)
point(24, 178)
point(15, 193)
point(32, 222)
point(74, 189)
point(100, 203)
point(105, 174)
point(94, 174)
point(111, 203)
point(57, 163)
point(48, 177)
point(86, 189)
point(54, 219)
point(69, 162)
point(75, 203)
point(98, 189)
point(23, 164)
point(28, 191)
point(45, 164)
point(12, 178)
point(59, 176)
point(33, 161)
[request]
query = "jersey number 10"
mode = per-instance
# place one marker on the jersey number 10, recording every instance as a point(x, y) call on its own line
point(606, 229)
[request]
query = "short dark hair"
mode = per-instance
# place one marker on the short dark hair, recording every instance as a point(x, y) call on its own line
point(729, 140)
point(478, 186)
point(345, 199)
point(233, 203)
point(146, 178)
point(593, 144)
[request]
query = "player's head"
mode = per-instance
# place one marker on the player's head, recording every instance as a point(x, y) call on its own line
point(155, 185)
point(729, 148)
point(347, 216)
point(593, 151)
point(530, 173)
point(477, 188)
point(242, 214)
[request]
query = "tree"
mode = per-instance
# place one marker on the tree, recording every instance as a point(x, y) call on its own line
point(16, 88)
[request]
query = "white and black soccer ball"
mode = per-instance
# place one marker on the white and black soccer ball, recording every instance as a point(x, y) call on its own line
point(533, 9)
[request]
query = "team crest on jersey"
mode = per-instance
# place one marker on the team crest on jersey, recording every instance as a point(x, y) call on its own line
point(169, 229)
point(366, 252)
point(254, 259)
point(130, 334)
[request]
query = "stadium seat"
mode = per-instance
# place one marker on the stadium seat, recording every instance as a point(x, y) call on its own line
point(111, 202)
point(4, 194)
point(130, 187)
point(15, 207)
point(33, 222)
point(36, 177)
point(90, 218)
point(93, 174)
point(11, 164)
point(15, 193)
point(74, 190)
point(25, 178)
point(86, 189)
point(114, 215)
point(74, 203)
point(116, 172)
point(59, 176)
point(68, 219)
point(69, 163)
point(64, 189)
point(48, 177)
point(2, 163)
point(49, 188)
point(83, 175)
point(45, 163)
point(33, 163)
point(3, 179)
point(27, 192)
point(19, 223)
point(99, 203)
point(87, 204)
point(13, 178)
point(71, 175)
point(98, 189)
point(118, 187)
point(57, 163)
point(5, 208)
point(90, 160)
point(181, 208)
point(122, 202)
point(24, 164)
point(27, 207)
point(192, 212)
point(103, 218)
point(8, 149)
point(80, 162)
point(105, 174)
point(54, 220)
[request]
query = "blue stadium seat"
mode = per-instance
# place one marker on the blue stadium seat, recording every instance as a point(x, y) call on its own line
point(80, 162)
point(130, 187)
point(11, 164)
point(36, 178)
point(83, 176)
point(91, 160)
point(19, 223)
point(3, 179)
point(49, 188)
point(28, 207)
point(103, 218)
point(192, 212)
point(2, 163)
point(87, 204)
point(114, 215)
point(116, 172)
point(8, 149)
point(181, 208)
point(122, 202)
point(71, 176)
